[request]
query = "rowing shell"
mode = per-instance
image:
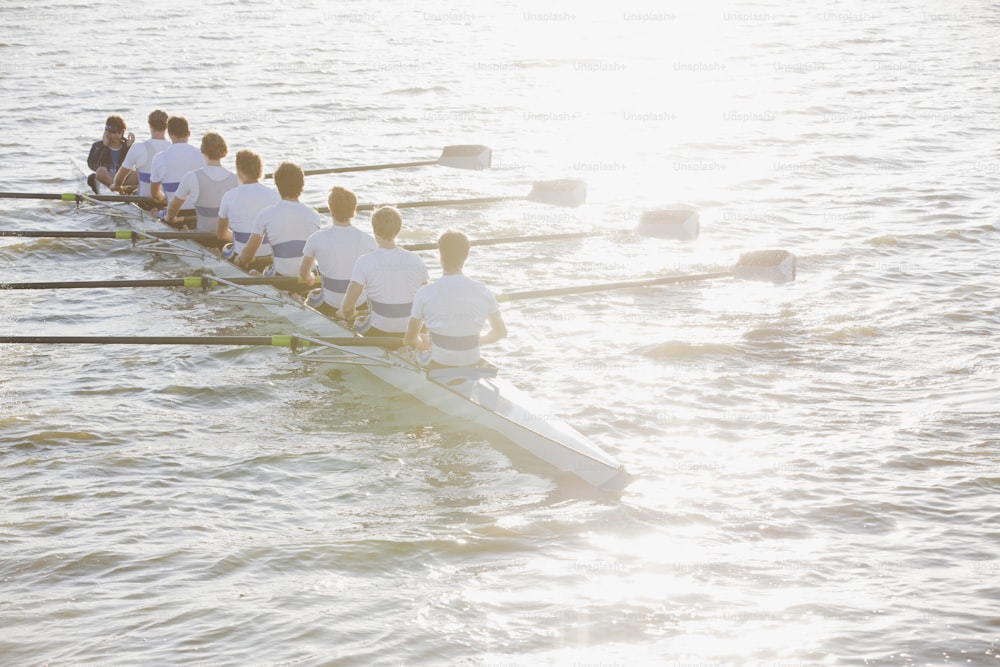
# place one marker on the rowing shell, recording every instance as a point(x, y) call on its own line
point(473, 395)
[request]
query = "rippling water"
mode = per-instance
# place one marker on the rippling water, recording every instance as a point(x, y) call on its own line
point(818, 461)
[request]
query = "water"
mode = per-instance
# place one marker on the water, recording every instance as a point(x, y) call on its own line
point(818, 461)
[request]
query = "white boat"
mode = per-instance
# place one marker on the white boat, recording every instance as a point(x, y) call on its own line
point(476, 396)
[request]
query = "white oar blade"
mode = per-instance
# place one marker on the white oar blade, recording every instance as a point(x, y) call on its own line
point(676, 225)
point(775, 266)
point(466, 157)
point(564, 192)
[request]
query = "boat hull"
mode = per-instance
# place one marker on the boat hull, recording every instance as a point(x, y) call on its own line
point(470, 395)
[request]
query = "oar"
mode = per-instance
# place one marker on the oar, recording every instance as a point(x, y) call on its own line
point(124, 234)
point(457, 157)
point(565, 192)
point(777, 266)
point(204, 282)
point(206, 236)
point(75, 197)
point(283, 340)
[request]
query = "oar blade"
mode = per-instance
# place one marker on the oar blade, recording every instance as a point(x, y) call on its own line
point(774, 266)
point(563, 192)
point(675, 225)
point(466, 157)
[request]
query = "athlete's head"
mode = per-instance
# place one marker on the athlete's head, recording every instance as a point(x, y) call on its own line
point(453, 247)
point(115, 124)
point(158, 120)
point(386, 222)
point(289, 180)
point(178, 128)
point(343, 203)
point(213, 146)
point(249, 164)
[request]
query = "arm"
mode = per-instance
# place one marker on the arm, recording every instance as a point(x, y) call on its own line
point(156, 192)
point(222, 232)
point(120, 179)
point(305, 270)
point(498, 329)
point(412, 337)
point(96, 150)
point(351, 300)
point(249, 250)
point(174, 208)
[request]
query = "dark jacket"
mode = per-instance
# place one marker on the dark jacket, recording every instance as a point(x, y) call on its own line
point(100, 156)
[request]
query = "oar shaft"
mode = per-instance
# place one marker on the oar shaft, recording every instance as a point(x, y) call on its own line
point(509, 239)
point(73, 196)
point(124, 234)
point(583, 289)
point(369, 167)
point(282, 282)
point(32, 195)
point(272, 341)
point(447, 202)
point(365, 167)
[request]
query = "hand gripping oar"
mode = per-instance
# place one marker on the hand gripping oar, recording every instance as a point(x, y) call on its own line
point(566, 192)
point(777, 266)
point(283, 340)
point(457, 157)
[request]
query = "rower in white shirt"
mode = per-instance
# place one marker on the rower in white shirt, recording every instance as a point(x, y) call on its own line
point(286, 225)
point(204, 188)
point(240, 206)
point(170, 165)
point(135, 168)
point(335, 249)
point(454, 308)
point(390, 276)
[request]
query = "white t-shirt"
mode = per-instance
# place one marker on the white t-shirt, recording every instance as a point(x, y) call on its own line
point(140, 159)
point(241, 206)
point(390, 277)
point(454, 309)
point(170, 165)
point(286, 226)
point(206, 195)
point(335, 250)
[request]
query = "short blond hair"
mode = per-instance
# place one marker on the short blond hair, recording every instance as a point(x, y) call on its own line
point(249, 163)
point(343, 203)
point(386, 222)
point(453, 247)
point(213, 146)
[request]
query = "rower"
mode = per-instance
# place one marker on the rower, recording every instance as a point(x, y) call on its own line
point(286, 224)
point(135, 168)
point(204, 188)
point(335, 250)
point(170, 165)
point(390, 276)
point(454, 308)
point(240, 206)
